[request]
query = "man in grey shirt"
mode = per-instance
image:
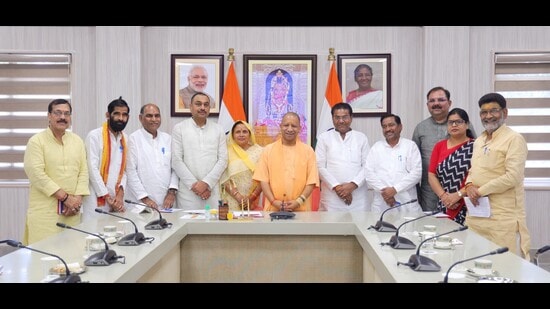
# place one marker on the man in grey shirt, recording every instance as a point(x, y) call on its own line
point(426, 134)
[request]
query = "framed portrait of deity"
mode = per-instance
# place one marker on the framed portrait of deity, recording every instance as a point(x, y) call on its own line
point(275, 85)
point(195, 73)
point(365, 81)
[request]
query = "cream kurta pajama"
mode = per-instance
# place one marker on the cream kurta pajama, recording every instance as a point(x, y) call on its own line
point(498, 169)
point(51, 166)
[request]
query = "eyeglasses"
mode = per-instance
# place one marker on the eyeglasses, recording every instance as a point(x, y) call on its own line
point(59, 113)
point(492, 111)
point(344, 118)
point(458, 122)
point(441, 100)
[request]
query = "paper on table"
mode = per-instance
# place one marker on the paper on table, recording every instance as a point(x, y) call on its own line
point(194, 211)
point(169, 209)
point(255, 214)
point(138, 209)
point(482, 210)
point(192, 216)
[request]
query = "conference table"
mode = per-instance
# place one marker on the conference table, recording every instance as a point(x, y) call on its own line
point(311, 247)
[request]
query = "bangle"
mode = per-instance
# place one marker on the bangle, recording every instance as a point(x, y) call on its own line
point(65, 198)
point(302, 197)
point(300, 201)
point(459, 194)
point(467, 185)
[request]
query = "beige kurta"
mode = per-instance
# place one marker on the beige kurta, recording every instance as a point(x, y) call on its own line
point(498, 169)
point(288, 169)
point(50, 166)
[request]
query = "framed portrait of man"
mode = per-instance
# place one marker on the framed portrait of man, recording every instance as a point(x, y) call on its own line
point(366, 83)
point(195, 73)
point(275, 85)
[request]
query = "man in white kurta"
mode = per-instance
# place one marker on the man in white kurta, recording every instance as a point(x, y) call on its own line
point(341, 157)
point(394, 167)
point(55, 162)
point(151, 180)
point(112, 190)
point(199, 156)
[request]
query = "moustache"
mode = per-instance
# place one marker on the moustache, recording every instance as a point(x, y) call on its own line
point(62, 121)
point(436, 106)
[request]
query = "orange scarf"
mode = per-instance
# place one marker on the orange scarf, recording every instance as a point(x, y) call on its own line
point(106, 160)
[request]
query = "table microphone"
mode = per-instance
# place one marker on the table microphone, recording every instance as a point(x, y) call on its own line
point(69, 278)
point(383, 226)
point(155, 224)
point(133, 239)
point(102, 258)
point(398, 242)
point(497, 251)
point(422, 263)
point(540, 251)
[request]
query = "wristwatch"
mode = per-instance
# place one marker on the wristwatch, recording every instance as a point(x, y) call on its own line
point(459, 193)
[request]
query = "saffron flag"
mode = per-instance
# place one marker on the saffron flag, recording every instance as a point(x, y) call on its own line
point(232, 108)
point(333, 95)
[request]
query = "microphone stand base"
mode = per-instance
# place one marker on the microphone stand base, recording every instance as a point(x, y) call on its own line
point(159, 224)
point(383, 226)
point(67, 279)
point(134, 239)
point(102, 258)
point(401, 243)
point(282, 215)
point(421, 263)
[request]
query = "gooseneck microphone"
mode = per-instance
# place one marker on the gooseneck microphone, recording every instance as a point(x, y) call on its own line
point(383, 226)
point(497, 251)
point(69, 278)
point(422, 263)
point(133, 239)
point(102, 258)
point(155, 224)
point(398, 242)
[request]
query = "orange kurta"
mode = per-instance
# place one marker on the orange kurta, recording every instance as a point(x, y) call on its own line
point(288, 169)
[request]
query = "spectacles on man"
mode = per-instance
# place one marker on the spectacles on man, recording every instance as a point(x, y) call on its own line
point(440, 100)
point(458, 122)
point(59, 113)
point(492, 111)
point(344, 118)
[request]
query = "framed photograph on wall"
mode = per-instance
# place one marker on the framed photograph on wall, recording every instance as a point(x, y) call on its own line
point(366, 83)
point(275, 85)
point(195, 73)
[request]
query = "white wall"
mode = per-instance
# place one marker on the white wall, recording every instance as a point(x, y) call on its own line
point(135, 62)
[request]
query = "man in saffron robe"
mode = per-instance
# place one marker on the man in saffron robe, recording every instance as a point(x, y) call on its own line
point(287, 169)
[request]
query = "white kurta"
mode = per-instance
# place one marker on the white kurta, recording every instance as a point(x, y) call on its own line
point(399, 167)
point(149, 168)
point(198, 153)
point(94, 149)
point(341, 161)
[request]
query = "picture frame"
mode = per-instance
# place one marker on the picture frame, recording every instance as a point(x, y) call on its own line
point(367, 103)
point(181, 90)
point(276, 84)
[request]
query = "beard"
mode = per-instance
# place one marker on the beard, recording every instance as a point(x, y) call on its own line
point(493, 126)
point(117, 126)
